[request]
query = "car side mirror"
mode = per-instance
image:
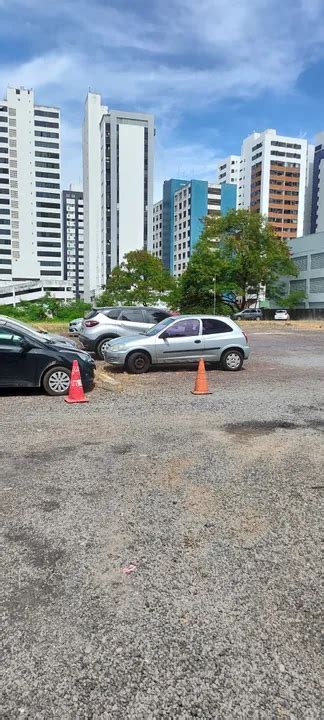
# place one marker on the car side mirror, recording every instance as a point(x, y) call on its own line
point(164, 335)
point(25, 345)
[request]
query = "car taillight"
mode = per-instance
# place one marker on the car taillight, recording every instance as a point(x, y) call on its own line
point(91, 323)
point(246, 338)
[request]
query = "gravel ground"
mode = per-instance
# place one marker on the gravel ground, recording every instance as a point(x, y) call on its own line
point(214, 502)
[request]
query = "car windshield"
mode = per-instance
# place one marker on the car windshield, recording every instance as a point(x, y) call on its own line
point(31, 330)
point(160, 326)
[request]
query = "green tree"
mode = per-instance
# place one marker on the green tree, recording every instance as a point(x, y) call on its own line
point(140, 279)
point(205, 273)
point(242, 251)
point(287, 300)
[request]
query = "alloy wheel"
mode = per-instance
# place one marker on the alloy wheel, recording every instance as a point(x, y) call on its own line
point(59, 381)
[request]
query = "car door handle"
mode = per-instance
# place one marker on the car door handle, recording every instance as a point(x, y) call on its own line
point(197, 341)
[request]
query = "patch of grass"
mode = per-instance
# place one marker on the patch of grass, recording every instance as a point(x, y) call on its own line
point(272, 324)
point(52, 326)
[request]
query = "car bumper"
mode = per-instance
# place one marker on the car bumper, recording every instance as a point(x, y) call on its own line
point(87, 343)
point(87, 376)
point(115, 358)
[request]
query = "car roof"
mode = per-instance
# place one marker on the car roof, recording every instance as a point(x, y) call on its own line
point(201, 317)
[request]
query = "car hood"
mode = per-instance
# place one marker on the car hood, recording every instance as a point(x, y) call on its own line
point(61, 340)
point(131, 340)
point(72, 353)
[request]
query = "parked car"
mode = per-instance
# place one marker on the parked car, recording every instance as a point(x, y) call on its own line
point(31, 360)
point(180, 340)
point(104, 324)
point(249, 314)
point(37, 332)
point(281, 315)
point(75, 326)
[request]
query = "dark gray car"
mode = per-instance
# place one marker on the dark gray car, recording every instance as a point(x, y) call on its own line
point(249, 314)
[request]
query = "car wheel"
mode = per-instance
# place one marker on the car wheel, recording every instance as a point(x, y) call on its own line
point(232, 360)
point(102, 346)
point(138, 362)
point(56, 381)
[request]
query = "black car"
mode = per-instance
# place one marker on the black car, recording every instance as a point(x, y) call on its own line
point(26, 361)
point(249, 314)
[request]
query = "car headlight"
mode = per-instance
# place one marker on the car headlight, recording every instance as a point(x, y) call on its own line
point(116, 348)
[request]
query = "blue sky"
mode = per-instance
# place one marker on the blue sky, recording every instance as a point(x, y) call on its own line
point(211, 71)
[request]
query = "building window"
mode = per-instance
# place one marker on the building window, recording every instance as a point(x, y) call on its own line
point(317, 261)
point(301, 262)
point(316, 285)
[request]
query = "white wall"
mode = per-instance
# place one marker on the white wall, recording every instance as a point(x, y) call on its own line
point(131, 188)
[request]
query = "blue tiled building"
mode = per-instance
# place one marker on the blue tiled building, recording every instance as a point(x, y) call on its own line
point(178, 218)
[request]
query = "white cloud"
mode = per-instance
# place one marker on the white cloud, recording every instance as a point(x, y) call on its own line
point(184, 161)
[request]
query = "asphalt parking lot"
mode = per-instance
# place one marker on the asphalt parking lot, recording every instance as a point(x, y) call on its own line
point(162, 550)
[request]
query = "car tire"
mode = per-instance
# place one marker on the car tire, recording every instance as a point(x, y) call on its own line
point(232, 360)
point(138, 363)
point(101, 346)
point(56, 381)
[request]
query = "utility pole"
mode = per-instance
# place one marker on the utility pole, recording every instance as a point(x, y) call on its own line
point(214, 279)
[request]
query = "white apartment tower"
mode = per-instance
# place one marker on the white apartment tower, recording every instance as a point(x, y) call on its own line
point(273, 180)
point(157, 229)
point(30, 200)
point(94, 275)
point(73, 240)
point(118, 188)
point(228, 170)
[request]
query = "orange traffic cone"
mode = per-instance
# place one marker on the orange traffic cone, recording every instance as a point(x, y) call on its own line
point(76, 394)
point(201, 384)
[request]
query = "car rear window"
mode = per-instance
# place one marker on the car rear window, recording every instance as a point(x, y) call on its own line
point(91, 314)
point(95, 311)
point(211, 326)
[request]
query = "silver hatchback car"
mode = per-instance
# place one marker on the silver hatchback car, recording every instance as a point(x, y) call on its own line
point(182, 339)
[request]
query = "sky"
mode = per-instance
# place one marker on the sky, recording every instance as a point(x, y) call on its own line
point(211, 71)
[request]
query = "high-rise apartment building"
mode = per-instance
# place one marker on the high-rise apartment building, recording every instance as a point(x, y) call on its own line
point(118, 188)
point(157, 229)
point(94, 252)
point(178, 218)
point(317, 211)
point(73, 240)
point(273, 180)
point(229, 169)
point(30, 199)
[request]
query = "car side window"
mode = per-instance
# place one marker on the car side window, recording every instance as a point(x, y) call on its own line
point(113, 314)
point(132, 315)
point(155, 316)
point(7, 337)
point(212, 327)
point(183, 328)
